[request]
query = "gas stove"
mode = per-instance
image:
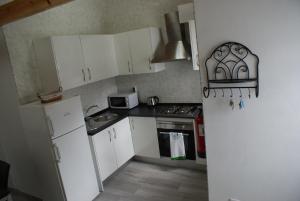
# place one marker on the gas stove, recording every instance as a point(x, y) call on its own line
point(175, 109)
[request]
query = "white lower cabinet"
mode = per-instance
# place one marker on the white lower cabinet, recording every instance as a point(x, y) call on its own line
point(144, 136)
point(113, 148)
point(123, 142)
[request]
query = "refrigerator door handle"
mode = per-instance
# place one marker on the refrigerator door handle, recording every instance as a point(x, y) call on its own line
point(109, 133)
point(50, 123)
point(115, 134)
point(57, 153)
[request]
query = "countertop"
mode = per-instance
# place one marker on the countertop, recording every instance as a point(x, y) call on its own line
point(143, 110)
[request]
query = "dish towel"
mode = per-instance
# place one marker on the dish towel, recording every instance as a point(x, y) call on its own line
point(177, 146)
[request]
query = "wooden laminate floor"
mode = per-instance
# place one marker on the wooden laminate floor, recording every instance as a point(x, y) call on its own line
point(146, 182)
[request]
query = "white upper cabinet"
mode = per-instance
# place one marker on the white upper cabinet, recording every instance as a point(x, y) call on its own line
point(194, 46)
point(140, 48)
point(186, 15)
point(99, 56)
point(135, 50)
point(69, 60)
point(73, 61)
point(123, 54)
point(186, 12)
point(60, 62)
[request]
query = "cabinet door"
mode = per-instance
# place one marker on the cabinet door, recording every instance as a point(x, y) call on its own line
point(64, 116)
point(144, 136)
point(194, 47)
point(123, 141)
point(75, 164)
point(123, 53)
point(105, 153)
point(99, 56)
point(141, 50)
point(186, 12)
point(69, 61)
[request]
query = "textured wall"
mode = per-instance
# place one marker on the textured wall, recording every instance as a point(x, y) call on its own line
point(134, 14)
point(178, 83)
point(87, 17)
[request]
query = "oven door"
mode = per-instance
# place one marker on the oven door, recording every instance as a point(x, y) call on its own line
point(165, 147)
point(118, 102)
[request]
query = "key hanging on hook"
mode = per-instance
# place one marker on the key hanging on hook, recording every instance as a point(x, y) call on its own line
point(223, 94)
point(242, 103)
point(241, 94)
point(215, 93)
point(231, 93)
point(249, 93)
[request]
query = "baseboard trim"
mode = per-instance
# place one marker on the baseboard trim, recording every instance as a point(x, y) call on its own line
point(168, 162)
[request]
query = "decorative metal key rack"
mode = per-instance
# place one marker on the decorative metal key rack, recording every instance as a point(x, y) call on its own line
point(232, 66)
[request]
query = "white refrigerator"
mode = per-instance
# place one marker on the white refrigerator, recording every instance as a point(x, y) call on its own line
point(60, 150)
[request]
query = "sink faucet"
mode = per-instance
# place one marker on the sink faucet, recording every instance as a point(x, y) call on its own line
point(91, 107)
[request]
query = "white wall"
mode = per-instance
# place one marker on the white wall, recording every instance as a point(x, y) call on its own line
point(12, 140)
point(253, 155)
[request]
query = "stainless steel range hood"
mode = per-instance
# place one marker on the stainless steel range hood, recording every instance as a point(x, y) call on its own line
point(178, 46)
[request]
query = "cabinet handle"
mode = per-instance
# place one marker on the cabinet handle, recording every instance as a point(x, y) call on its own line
point(90, 75)
point(50, 123)
point(115, 134)
point(83, 73)
point(57, 153)
point(150, 64)
point(132, 124)
point(129, 66)
point(109, 133)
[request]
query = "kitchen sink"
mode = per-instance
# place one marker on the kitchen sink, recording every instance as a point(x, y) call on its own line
point(100, 120)
point(105, 117)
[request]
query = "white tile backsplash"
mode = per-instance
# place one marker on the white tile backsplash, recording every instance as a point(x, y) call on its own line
point(94, 93)
point(178, 83)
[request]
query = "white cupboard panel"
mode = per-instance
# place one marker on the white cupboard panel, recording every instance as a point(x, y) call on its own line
point(186, 12)
point(144, 136)
point(69, 60)
point(123, 141)
point(99, 56)
point(140, 48)
point(123, 54)
point(64, 116)
point(74, 159)
point(105, 153)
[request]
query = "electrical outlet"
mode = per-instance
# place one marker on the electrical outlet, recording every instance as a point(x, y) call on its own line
point(233, 199)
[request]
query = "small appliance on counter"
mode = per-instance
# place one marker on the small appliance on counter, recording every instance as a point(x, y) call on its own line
point(123, 101)
point(152, 101)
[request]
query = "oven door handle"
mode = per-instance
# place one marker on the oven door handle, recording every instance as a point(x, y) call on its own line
point(168, 133)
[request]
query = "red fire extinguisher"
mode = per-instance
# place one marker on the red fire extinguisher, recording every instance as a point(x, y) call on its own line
point(200, 137)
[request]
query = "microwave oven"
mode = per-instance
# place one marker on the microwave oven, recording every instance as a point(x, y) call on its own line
point(123, 101)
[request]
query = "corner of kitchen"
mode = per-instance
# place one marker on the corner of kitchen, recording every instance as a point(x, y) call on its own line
point(119, 115)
